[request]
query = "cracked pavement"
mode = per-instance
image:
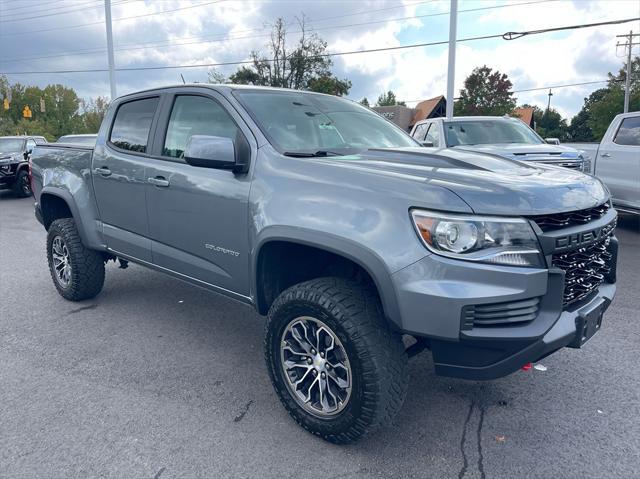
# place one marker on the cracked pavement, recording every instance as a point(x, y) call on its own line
point(155, 378)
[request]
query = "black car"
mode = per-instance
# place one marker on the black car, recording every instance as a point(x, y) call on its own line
point(14, 162)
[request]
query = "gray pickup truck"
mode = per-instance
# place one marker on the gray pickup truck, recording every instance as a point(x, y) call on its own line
point(361, 247)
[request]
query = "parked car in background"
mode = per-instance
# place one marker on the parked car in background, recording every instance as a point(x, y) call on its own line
point(616, 160)
point(343, 231)
point(503, 136)
point(85, 139)
point(14, 162)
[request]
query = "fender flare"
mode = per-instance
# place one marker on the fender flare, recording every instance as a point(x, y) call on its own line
point(363, 257)
point(68, 199)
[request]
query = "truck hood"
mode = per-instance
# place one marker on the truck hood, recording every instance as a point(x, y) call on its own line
point(524, 151)
point(488, 184)
point(9, 156)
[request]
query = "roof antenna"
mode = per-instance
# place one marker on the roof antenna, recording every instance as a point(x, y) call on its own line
point(182, 76)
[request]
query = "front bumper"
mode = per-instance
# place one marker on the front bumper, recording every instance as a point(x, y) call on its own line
point(435, 292)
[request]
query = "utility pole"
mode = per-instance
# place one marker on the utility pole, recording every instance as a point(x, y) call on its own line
point(549, 102)
point(627, 84)
point(451, 72)
point(112, 73)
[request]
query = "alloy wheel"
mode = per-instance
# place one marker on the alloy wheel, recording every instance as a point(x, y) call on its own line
point(61, 261)
point(315, 366)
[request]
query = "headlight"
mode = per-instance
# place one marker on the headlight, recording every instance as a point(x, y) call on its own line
point(485, 239)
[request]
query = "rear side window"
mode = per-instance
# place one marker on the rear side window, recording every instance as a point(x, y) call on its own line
point(131, 127)
point(629, 132)
point(196, 115)
point(31, 144)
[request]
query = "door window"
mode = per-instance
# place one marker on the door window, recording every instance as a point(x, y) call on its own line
point(433, 135)
point(420, 132)
point(132, 124)
point(629, 132)
point(196, 115)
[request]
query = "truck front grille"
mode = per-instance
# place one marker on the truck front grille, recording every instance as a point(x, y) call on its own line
point(500, 314)
point(585, 269)
point(562, 220)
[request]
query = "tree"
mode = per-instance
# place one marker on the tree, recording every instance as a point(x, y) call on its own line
point(389, 99)
point(93, 112)
point(364, 102)
point(485, 92)
point(329, 85)
point(214, 76)
point(599, 108)
point(306, 66)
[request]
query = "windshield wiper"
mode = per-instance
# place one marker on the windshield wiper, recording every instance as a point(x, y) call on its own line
point(309, 154)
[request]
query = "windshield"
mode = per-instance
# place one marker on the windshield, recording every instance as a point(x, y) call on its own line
point(297, 122)
point(482, 132)
point(11, 144)
point(78, 140)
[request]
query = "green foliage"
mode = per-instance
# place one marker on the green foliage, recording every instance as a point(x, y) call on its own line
point(364, 102)
point(304, 67)
point(599, 108)
point(64, 113)
point(330, 85)
point(485, 92)
point(389, 99)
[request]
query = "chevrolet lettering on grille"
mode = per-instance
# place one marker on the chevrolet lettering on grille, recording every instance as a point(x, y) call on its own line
point(584, 237)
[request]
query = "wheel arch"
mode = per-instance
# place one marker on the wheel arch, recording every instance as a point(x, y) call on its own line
point(341, 250)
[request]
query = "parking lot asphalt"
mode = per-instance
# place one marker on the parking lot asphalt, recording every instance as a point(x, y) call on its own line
point(155, 378)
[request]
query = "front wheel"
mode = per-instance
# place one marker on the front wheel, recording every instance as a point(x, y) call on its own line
point(77, 272)
point(22, 187)
point(337, 367)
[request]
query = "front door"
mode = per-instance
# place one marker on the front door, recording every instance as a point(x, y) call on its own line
point(618, 163)
point(198, 216)
point(120, 182)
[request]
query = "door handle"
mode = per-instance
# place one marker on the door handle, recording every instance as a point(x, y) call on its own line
point(605, 155)
point(159, 181)
point(104, 171)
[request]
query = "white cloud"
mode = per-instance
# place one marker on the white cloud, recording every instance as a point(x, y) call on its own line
point(416, 73)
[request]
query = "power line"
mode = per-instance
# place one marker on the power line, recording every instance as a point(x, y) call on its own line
point(30, 7)
point(324, 55)
point(115, 19)
point(50, 13)
point(173, 44)
point(565, 85)
point(516, 35)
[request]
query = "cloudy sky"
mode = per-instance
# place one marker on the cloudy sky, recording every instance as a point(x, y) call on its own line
point(45, 36)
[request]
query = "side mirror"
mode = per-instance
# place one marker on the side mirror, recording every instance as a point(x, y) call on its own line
point(26, 154)
point(552, 141)
point(428, 144)
point(210, 152)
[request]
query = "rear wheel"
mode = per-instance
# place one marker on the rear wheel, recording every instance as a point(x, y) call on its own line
point(337, 367)
point(22, 187)
point(77, 272)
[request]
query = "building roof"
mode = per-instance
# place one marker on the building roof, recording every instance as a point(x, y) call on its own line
point(525, 114)
point(425, 107)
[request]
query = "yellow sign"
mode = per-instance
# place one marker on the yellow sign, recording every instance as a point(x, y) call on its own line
point(6, 103)
point(26, 112)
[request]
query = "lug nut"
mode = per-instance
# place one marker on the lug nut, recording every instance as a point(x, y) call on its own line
point(309, 360)
point(315, 372)
point(322, 355)
point(313, 351)
point(323, 375)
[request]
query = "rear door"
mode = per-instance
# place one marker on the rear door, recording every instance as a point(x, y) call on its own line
point(198, 217)
point(618, 163)
point(119, 177)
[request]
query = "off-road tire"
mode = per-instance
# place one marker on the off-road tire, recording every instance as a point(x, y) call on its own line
point(87, 266)
point(18, 185)
point(376, 354)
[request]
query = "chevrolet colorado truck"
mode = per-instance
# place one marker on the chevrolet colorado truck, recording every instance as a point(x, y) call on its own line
point(616, 160)
point(14, 165)
point(361, 247)
point(498, 135)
